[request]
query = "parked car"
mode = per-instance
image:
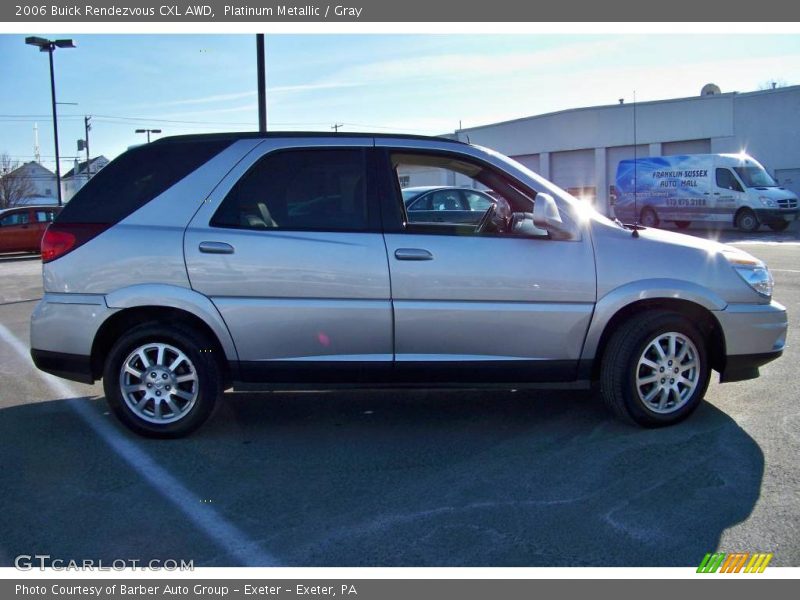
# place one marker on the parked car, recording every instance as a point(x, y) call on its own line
point(265, 261)
point(438, 204)
point(22, 228)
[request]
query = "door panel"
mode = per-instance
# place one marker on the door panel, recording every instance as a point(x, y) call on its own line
point(16, 232)
point(289, 295)
point(490, 298)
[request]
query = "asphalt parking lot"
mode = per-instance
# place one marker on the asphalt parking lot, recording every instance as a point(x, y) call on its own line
point(525, 478)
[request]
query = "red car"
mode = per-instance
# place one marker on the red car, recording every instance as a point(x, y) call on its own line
point(22, 227)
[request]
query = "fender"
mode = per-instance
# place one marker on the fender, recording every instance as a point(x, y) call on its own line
point(163, 295)
point(646, 289)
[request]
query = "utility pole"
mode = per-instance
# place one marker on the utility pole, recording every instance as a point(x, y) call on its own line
point(87, 126)
point(336, 126)
point(262, 83)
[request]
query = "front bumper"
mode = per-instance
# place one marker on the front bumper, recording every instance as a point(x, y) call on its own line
point(776, 215)
point(754, 334)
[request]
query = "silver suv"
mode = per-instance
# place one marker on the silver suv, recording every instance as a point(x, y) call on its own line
point(285, 261)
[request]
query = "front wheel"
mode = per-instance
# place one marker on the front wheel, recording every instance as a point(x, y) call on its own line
point(655, 369)
point(161, 380)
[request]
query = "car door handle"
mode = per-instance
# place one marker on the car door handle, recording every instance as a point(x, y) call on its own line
point(215, 248)
point(412, 254)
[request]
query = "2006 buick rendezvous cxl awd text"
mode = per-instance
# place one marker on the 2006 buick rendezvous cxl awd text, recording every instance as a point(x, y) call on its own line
point(195, 264)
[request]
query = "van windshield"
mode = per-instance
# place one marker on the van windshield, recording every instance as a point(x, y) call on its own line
point(755, 177)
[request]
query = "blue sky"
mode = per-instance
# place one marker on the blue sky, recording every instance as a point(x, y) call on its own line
point(406, 83)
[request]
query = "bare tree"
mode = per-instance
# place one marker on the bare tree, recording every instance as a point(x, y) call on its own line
point(771, 84)
point(15, 185)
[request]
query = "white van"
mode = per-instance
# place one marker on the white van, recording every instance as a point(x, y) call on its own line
point(702, 188)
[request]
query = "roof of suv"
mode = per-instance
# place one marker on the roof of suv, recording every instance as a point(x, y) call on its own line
point(241, 135)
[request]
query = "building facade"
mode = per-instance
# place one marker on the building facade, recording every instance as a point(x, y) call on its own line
point(579, 149)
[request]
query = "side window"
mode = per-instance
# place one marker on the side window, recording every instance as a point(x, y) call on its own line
point(727, 181)
point(44, 216)
point(477, 201)
point(464, 197)
point(17, 218)
point(299, 190)
point(449, 199)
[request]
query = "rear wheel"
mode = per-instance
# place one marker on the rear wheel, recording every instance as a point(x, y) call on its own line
point(655, 369)
point(161, 380)
point(779, 225)
point(682, 224)
point(649, 218)
point(746, 220)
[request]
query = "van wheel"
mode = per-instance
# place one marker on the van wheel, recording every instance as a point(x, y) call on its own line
point(682, 224)
point(649, 218)
point(162, 381)
point(779, 225)
point(655, 369)
point(746, 220)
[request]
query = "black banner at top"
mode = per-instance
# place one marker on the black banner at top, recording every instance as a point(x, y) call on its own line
point(458, 11)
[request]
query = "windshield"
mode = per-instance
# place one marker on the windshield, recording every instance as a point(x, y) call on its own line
point(755, 177)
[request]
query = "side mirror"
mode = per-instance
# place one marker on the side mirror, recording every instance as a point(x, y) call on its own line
point(547, 217)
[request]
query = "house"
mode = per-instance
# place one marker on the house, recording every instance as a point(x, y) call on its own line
point(79, 175)
point(32, 184)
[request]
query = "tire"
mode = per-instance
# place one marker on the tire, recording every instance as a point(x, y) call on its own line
point(649, 218)
point(191, 384)
point(747, 221)
point(778, 225)
point(682, 224)
point(622, 364)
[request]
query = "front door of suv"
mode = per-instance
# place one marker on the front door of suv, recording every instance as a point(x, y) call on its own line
point(289, 249)
point(472, 306)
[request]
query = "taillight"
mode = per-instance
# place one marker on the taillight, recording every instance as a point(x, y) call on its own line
point(61, 238)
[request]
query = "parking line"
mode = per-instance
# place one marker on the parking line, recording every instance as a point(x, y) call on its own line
point(214, 525)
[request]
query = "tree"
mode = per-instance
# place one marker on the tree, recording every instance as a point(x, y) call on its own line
point(772, 84)
point(15, 184)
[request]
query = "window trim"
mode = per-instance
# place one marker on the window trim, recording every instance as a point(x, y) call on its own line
point(370, 191)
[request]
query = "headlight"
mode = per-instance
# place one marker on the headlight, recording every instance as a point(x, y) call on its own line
point(754, 272)
point(767, 201)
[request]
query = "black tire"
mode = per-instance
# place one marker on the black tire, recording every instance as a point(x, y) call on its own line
point(778, 225)
point(620, 363)
point(682, 224)
point(649, 217)
point(202, 361)
point(747, 221)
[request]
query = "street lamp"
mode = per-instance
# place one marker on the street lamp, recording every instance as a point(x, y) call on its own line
point(49, 46)
point(148, 132)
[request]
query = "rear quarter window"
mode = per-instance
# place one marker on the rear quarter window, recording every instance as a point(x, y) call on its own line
point(136, 177)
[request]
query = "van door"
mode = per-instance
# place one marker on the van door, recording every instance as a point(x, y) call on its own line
point(727, 196)
point(289, 249)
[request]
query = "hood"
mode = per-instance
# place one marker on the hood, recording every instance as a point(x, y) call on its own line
point(774, 193)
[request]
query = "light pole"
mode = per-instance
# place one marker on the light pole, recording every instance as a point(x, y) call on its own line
point(148, 132)
point(49, 46)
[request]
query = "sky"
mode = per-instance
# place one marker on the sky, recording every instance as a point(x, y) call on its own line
point(426, 84)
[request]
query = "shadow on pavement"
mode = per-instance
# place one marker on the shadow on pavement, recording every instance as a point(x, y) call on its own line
point(384, 479)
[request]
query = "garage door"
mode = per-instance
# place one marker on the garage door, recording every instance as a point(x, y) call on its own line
point(686, 147)
point(573, 169)
point(529, 160)
point(789, 178)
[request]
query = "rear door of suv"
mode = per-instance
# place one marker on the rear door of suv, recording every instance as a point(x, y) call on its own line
point(290, 250)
